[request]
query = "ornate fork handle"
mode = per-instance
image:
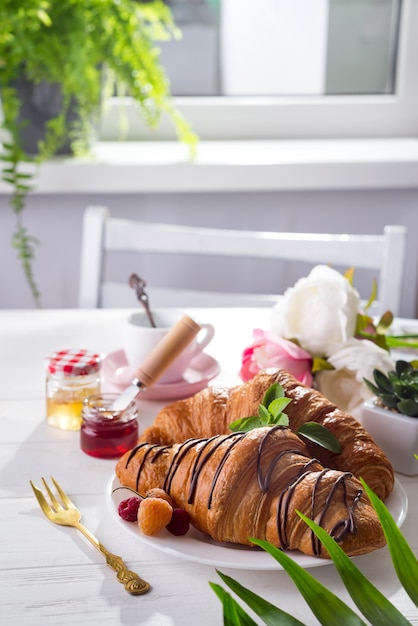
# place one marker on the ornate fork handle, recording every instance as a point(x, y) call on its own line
point(130, 580)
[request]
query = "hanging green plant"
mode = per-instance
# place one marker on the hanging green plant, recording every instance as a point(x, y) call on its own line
point(89, 49)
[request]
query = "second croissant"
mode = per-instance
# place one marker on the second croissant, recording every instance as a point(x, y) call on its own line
point(210, 412)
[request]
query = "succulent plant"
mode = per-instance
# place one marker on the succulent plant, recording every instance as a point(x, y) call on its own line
point(398, 390)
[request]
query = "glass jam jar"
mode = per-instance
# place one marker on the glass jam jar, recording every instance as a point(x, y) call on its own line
point(72, 376)
point(106, 433)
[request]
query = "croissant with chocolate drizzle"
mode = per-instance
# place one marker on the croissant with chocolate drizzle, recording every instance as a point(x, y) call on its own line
point(251, 484)
point(211, 411)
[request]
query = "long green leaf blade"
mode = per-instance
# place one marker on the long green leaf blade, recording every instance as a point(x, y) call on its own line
point(404, 561)
point(326, 606)
point(233, 613)
point(402, 341)
point(270, 614)
point(371, 602)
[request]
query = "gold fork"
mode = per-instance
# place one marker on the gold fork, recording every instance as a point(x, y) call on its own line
point(66, 513)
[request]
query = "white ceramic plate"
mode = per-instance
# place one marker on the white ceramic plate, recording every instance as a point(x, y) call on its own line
point(201, 370)
point(196, 546)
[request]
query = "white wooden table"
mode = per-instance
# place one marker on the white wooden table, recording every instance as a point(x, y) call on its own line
point(51, 573)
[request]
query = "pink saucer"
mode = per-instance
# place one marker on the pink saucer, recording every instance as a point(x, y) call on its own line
point(202, 369)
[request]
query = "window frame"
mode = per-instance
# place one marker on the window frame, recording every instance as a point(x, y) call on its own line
point(318, 117)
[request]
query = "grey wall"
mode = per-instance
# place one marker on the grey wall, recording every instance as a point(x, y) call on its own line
point(56, 221)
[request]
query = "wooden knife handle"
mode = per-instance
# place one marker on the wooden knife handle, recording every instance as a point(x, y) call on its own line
point(172, 344)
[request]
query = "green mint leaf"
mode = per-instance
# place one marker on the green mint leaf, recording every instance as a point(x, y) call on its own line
point(275, 408)
point(320, 435)
point(270, 411)
point(263, 413)
point(273, 392)
point(247, 423)
point(280, 420)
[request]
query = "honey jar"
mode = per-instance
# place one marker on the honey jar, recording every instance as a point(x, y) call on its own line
point(105, 432)
point(71, 376)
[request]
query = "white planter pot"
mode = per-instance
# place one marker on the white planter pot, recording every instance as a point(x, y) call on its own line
point(396, 434)
point(273, 47)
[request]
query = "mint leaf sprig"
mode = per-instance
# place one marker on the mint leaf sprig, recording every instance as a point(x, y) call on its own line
point(271, 413)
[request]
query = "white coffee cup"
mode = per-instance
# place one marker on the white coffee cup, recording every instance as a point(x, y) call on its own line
point(139, 339)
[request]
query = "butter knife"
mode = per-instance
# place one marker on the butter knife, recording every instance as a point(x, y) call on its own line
point(158, 360)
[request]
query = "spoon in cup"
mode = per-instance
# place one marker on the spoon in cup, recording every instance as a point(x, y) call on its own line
point(139, 284)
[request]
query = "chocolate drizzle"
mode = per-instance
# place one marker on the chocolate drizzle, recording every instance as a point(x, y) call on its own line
point(284, 502)
point(220, 466)
point(207, 447)
point(144, 458)
point(180, 454)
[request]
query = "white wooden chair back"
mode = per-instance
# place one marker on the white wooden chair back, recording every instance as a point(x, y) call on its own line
point(104, 234)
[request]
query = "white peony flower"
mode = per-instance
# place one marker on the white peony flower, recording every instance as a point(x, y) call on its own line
point(319, 311)
point(353, 361)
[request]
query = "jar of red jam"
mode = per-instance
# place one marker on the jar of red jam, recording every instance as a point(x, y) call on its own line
point(71, 376)
point(106, 433)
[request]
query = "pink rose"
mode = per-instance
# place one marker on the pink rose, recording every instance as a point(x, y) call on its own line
point(268, 350)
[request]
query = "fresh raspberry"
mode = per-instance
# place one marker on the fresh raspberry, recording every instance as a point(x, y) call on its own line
point(153, 515)
point(128, 509)
point(156, 492)
point(179, 523)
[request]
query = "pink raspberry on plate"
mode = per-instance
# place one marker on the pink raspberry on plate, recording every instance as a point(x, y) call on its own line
point(128, 509)
point(179, 523)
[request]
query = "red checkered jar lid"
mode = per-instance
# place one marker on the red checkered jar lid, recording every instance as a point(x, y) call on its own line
point(73, 363)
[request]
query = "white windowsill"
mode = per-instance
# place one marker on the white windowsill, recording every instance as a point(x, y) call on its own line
point(279, 165)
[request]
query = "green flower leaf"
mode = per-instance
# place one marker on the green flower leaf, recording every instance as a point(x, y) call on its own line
point(269, 613)
point(363, 321)
point(326, 606)
point(320, 435)
point(320, 364)
point(371, 602)
point(384, 323)
point(404, 560)
point(373, 295)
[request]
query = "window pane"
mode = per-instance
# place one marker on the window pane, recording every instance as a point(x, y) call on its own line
point(283, 47)
point(362, 45)
point(192, 62)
